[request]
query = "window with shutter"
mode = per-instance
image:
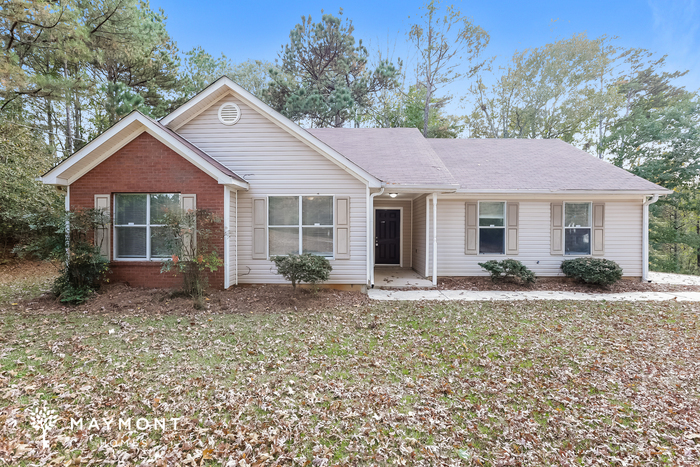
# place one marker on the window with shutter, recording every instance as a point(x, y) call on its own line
point(300, 224)
point(137, 220)
point(577, 229)
point(492, 227)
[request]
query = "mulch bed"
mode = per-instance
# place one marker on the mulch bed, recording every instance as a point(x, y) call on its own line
point(255, 299)
point(558, 284)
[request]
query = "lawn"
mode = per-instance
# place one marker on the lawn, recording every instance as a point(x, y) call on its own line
point(409, 384)
point(263, 377)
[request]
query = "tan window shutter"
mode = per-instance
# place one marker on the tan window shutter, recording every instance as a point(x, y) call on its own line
point(102, 233)
point(259, 228)
point(598, 229)
point(471, 245)
point(189, 203)
point(512, 227)
point(557, 240)
point(342, 228)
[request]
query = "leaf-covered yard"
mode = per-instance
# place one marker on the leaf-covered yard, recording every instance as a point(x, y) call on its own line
point(410, 384)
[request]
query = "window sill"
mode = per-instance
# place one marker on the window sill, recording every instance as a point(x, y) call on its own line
point(142, 261)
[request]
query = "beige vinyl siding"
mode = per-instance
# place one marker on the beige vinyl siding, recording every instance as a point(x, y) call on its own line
point(623, 238)
point(406, 230)
point(418, 236)
point(277, 163)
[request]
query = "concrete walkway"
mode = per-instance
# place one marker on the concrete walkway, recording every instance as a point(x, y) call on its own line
point(469, 295)
point(678, 279)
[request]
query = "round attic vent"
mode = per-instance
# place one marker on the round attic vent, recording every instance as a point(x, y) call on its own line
point(229, 113)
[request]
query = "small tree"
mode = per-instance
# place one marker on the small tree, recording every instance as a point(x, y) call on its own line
point(69, 240)
point(308, 268)
point(186, 239)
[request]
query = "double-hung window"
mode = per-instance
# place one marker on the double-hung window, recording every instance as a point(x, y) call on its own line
point(492, 227)
point(577, 228)
point(137, 218)
point(300, 224)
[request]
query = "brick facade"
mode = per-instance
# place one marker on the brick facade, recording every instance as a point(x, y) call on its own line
point(145, 165)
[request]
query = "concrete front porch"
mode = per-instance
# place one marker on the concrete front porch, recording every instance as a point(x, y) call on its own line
point(386, 277)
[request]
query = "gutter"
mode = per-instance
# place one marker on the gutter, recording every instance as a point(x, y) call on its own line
point(564, 192)
point(370, 234)
point(645, 236)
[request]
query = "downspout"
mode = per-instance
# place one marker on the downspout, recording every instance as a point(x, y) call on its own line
point(227, 237)
point(370, 233)
point(434, 239)
point(236, 241)
point(67, 224)
point(645, 237)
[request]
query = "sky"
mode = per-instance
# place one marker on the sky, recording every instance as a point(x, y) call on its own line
point(257, 29)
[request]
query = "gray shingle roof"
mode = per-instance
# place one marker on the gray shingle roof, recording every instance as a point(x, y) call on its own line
point(532, 164)
point(397, 156)
point(401, 156)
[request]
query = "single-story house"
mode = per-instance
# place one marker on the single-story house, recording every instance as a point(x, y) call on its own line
point(363, 197)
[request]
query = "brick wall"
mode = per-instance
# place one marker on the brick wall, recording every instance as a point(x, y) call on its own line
point(146, 165)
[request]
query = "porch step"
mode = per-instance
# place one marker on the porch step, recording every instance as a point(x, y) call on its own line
point(399, 278)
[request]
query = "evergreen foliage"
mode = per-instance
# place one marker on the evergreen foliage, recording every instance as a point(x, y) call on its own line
point(597, 271)
point(308, 268)
point(325, 77)
point(509, 269)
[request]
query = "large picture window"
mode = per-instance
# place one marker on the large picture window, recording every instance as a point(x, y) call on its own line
point(137, 218)
point(577, 228)
point(492, 227)
point(301, 224)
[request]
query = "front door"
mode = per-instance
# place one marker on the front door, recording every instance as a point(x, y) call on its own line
point(388, 236)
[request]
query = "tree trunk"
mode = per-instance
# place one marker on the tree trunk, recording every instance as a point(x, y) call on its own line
point(69, 129)
point(77, 119)
point(697, 251)
point(49, 124)
point(426, 109)
point(676, 261)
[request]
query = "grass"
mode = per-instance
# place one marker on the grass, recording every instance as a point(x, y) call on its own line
point(25, 280)
point(536, 383)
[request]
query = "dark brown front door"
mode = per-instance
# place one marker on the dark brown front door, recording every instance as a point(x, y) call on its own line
point(387, 228)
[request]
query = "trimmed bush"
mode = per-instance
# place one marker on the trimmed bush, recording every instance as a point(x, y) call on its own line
point(597, 271)
point(509, 269)
point(308, 268)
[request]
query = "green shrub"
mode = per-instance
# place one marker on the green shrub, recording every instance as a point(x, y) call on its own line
point(592, 270)
point(308, 268)
point(83, 268)
point(509, 269)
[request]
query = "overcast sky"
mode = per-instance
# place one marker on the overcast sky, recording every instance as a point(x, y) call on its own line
point(257, 29)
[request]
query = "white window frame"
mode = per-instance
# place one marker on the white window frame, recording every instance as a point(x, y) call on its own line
point(300, 225)
point(504, 227)
point(590, 228)
point(148, 226)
